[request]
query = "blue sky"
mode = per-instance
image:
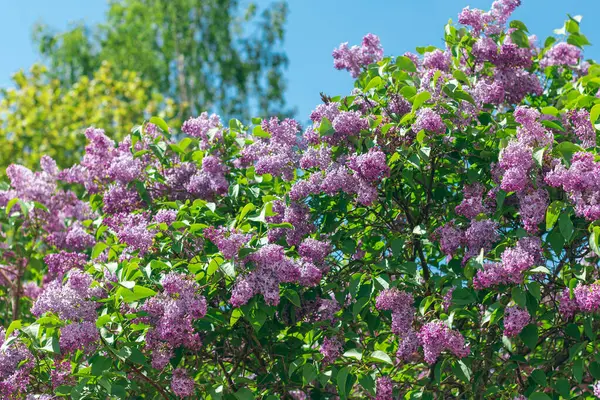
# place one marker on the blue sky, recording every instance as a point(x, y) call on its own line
point(315, 28)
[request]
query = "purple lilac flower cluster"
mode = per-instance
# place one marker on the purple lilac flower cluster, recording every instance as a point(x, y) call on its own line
point(437, 337)
point(171, 314)
point(229, 242)
point(515, 319)
point(581, 181)
point(401, 304)
point(515, 261)
point(16, 363)
point(384, 388)
point(354, 58)
point(331, 349)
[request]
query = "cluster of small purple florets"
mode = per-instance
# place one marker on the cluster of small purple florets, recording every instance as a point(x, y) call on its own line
point(16, 363)
point(586, 298)
point(355, 58)
point(515, 261)
point(229, 242)
point(72, 301)
point(479, 236)
point(436, 337)
point(401, 304)
point(515, 319)
point(171, 315)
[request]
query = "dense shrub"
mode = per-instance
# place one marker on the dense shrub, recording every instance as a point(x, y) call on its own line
point(432, 235)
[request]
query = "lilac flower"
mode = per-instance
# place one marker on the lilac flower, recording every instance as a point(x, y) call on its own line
point(450, 237)
point(437, 337)
point(61, 374)
point(489, 93)
point(229, 242)
point(384, 389)
point(480, 235)
point(16, 362)
point(532, 207)
point(165, 217)
point(567, 305)
point(314, 250)
point(401, 304)
point(354, 58)
point(579, 122)
point(271, 268)
point(62, 262)
point(371, 166)
point(561, 54)
point(437, 59)
point(531, 132)
point(430, 121)
point(118, 198)
point(472, 204)
point(515, 320)
point(171, 314)
point(132, 229)
point(596, 389)
point(181, 383)
point(206, 128)
point(78, 336)
point(485, 49)
point(331, 349)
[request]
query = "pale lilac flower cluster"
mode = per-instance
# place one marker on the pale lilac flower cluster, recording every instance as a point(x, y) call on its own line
point(450, 237)
point(437, 59)
point(579, 123)
point(182, 384)
point(271, 268)
point(314, 250)
point(491, 22)
point(437, 337)
point(429, 120)
point(62, 262)
point(354, 58)
point(61, 374)
point(171, 314)
point(515, 261)
point(596, 389)
point(120, 199)
point(298, 215)
point(480, 235)
point(331, 349)
point(532, 208)
point(384, 389)
point(132, 229)
point(207, 128)
point(515, 319)
point(516, 160)
point(472, 204)
point(561, 54)
point(78, 336)
point(567, 305)
point(228, 241)
point(165, 217)
point(73, 301)
point(531, 132)
point(581, 182)
point(16, 362)
point(185, 181)
point(401, 304)
point(275, 155)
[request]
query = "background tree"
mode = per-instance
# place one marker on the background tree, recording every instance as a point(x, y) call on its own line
point(205, 54)
point(40, 116)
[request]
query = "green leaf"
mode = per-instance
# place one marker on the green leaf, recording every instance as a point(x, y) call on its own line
point(373, 83)
point(406, 64)
point(463, 296)
point(595, 240)
point(578, 370)
point(539, 396)
point(594, 113)
point(244, 394)
point(381, 356)
point(12, 327)
point(462, 371)
point(158, 121)
point(519, 296)
point(98, 249)
point(556, 240)
point(342, 377)
point(420, 99)
point(538, 156)
point(529, 335)
point(292, 296)
point(236, 314)
point(552, 213)
point(247, 208)
point(565, 225)
point(518, 25)
point(326, 129)
point(520, 38)
point(353, 353)
point(539, 377)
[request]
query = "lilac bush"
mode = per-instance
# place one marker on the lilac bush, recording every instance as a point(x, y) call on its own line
point(433, 234)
